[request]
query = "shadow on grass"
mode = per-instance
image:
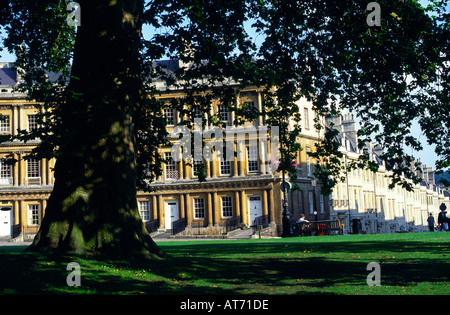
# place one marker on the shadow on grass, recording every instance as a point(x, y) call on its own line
point(325, 245)
point(221, 268)
point(287, 275)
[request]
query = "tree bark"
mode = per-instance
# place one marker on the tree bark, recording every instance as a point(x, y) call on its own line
point(93, 206)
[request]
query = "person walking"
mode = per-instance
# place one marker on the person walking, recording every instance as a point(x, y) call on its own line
point(430, 221)
point(443, 221)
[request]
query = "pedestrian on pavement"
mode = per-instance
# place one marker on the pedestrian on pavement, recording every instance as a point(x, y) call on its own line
point(443, 221)
point(430, 221)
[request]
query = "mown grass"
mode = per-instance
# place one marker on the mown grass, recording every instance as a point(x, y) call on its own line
point(410, 264)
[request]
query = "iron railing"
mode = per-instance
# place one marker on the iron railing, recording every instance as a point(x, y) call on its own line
point(152, 226)
point(197, 227)
point(16, 230)
point(259, 223)
point(325, 227)
point(32, 181)
point(230, 224)
point(178, 226)
point(261, 220)
point(172, 174)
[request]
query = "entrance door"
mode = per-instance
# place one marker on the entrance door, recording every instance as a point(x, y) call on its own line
point(171, 213)
point(5, 221)
point(254, 209)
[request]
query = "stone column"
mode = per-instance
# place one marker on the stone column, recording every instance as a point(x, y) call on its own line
point(244, 214)
point(22, 213)
point(15, 120)
point(260, 118)
point(242, 152)
point(22, 169)
point(182, 207)
point(271, 204)
point(235, 162)
point(19, 118)
point(189, 213)
point(237, 202)
point(208, 168)
point(215, 166)
point(154, 207)
point(44, 206)
point(265, 203)
point(209, 215)
point(262, 151)
point(16, 212)
point(216, 204)
point(43, 166)
point(16, 170)
point(161, 211)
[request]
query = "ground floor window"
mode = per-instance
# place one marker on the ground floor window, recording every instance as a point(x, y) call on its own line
point(144, 210)
point(227, 207)
point(199, 208)
point(322, 208)
point(310, 202)
point(33, 214)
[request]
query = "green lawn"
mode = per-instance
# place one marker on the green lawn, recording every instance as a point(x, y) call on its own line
point(410, 264)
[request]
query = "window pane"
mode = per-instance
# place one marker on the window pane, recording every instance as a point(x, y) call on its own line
point(252, 157)
point(308, 162)
point(306, 117)
point(168, 114)
point(199, 208)
point(32, 168)
point(4, 124)
point(197, 112)
point(32, 124)
point(223, 112)
point(144, 210)
point(5, 169)
point(225, 167)
point(33, 214)
point(227, 207)
point(171, 168)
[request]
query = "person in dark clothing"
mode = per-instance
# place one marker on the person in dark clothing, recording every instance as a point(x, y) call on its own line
point(443, 221)
point(430, 221)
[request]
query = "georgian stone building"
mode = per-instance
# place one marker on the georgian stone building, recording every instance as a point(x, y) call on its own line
point(365, 197)
point(235, 193)
point(26, 185)
point(238, 192)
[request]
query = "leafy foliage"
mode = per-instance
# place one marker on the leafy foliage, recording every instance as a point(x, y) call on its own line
point(323, 51)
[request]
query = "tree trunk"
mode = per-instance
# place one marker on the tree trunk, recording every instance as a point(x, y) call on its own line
point(93, 206)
